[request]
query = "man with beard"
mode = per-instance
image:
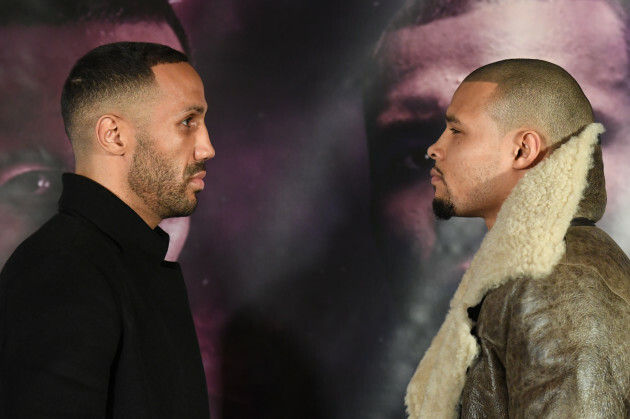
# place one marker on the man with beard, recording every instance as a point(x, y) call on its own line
point(39, 43)
point(538, 324)
point(422, 56)
point(94, 322)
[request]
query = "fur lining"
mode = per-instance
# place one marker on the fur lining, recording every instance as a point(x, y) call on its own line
point(527, 240)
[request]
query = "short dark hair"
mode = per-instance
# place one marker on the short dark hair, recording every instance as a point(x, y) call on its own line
point(119, 72)
point(63, 12)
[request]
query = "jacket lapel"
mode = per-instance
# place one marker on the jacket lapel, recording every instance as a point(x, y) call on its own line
point(527, 240)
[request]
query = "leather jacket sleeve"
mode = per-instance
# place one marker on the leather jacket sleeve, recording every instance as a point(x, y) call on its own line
point(551, 348)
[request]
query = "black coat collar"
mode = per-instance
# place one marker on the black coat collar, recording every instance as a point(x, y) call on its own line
point(90, 200)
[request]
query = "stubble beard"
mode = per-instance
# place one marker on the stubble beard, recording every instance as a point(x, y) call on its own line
point(158, 182)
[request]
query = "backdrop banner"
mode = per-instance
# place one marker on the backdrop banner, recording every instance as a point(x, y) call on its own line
point(316, 271)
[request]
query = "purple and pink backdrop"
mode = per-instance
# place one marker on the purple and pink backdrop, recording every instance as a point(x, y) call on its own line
point(316, 274)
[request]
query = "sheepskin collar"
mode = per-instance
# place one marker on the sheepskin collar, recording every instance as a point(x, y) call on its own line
point(527, 240)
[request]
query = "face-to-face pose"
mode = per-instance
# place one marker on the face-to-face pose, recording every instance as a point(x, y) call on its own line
point(420, 66)
point(34, 150)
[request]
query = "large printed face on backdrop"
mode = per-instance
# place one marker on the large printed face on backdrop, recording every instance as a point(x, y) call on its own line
point(34, 150)
point(421, 68)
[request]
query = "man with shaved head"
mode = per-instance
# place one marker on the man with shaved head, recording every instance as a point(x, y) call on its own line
point(421, 58)
point(538, 324)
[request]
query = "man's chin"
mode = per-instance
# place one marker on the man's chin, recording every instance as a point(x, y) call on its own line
point(443, 209)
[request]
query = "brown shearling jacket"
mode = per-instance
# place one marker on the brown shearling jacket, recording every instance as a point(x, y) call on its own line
point(539, 326)
point(557, 347)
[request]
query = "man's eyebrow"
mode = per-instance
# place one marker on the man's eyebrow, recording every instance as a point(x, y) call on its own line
point(452, 119)
point(195, 108)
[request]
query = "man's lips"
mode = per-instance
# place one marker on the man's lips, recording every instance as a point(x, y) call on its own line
point(436, 176)
point(197, 180)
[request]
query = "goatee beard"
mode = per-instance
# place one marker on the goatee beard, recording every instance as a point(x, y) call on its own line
point(443, 208)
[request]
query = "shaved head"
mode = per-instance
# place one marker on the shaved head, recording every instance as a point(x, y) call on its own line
point(535, 94)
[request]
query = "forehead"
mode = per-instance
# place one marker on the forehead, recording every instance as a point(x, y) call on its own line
point(34, 63)
point(470, 100)
point(180, 88)
point(431, 60)
point(176, 78)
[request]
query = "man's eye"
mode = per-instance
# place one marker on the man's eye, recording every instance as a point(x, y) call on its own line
point(454, 131)
point(32, 189)
point(188, 122)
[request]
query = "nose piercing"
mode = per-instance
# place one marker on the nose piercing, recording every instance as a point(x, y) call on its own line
point(426, 156)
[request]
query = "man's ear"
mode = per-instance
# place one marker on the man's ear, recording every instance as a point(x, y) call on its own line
point(529, 149)
point(110, 135)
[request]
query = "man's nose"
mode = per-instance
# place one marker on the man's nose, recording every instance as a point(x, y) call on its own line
point(435, 150)
point(203, 149)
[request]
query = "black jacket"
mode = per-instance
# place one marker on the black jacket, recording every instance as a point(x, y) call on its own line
point(93, 322)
